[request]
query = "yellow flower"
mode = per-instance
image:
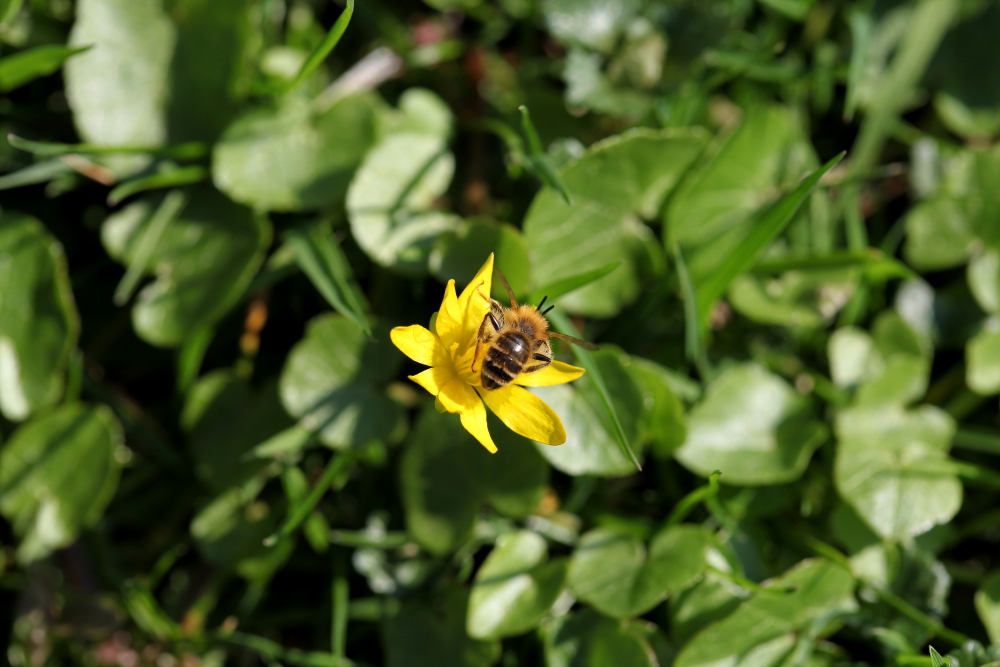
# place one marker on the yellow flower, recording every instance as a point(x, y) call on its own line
point(449, 350)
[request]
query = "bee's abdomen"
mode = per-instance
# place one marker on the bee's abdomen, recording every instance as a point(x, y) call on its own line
point(505, 359)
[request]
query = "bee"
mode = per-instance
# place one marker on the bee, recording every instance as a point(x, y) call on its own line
point(517, 340)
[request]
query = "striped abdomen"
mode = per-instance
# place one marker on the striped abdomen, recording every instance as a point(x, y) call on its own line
point(505, 359)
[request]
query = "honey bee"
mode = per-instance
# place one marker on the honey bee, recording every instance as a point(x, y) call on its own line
point(517, 340)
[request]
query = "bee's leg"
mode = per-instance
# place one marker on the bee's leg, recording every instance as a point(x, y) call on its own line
point(481, 335)
point(545, 361)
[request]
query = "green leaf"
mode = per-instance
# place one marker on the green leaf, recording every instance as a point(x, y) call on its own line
point(736, 182)
point(664, 423)
point(146, 244)
point(514, 588)
point(224, 420)
point(459, 255)
point(538, 161)
point(30, 64)
point(294, 157)
point(445, 475)
point(614, 571)
point(203, 98)
point(203, 263)
point(590, 413)
point(39, 325)
point(391, 198)
point(423, 634)
point(936, 659)
point(889, 368)
point(983, 275)
point(586, 638)
point(40, 172)
point(332, 383)
point(324, 48)
point(168, 178)
point(118, 89)
point(708, 600)
point(761, 625)
point(603, 226)
point(753, 427)
point(319, 255)
point(765, 228)
point(794, 9)
point(57, 474)
point(594, 24)
point(556, 289)
point(187, 151)
point(230, 531)
point(890, 467)
point(988, 605)
point(9, 9)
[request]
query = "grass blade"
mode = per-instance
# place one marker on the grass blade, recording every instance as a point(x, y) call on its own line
point(165, 179)
point(874, 262)
point(538, 161)
point(338, 465)
point(768, 225)
point(585, 359)
point(40, 172)
point(320, 257)
point(862, 29)
point(692, 324)
point(187, 151)
point(693, 499)
point(275, 651)
point(341, 600)
point(30, 64)
point(936, 659)
point(556, 289)
point(323, 50)
point(190, 357)
point(168, 211)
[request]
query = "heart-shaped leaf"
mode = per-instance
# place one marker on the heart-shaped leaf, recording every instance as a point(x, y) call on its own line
point(602, 225)
point(445, 477)
point(424, 634)
point(763, 625)
point(586, 638)
point(390, 200)
point(514, 588)
point(753, 427)
point(224, 421)
point(293, 157)
point(118, 88)
point(38, 321)
point(614, 571)
point(333, 383)
point(891, 467)
point(203, 262)
point(57, 474)
point(590, 447)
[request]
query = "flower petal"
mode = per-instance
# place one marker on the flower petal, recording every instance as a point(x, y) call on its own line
point(472, 306)
point(526, 414)
point(555, 373)
point(416, 342)
point(474, 421)
point(457, 396)
point(448, 323)
point(434, 378)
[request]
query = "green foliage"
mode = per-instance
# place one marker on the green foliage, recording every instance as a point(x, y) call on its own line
point(777, 218)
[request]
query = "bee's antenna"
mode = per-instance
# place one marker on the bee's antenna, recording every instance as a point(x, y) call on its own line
point(548, 309)
point(541, 303)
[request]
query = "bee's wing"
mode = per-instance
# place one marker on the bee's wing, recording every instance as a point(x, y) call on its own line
point(506, 286)
point(585, 344)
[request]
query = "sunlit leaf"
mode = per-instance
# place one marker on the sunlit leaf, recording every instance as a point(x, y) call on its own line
point(57, 474)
